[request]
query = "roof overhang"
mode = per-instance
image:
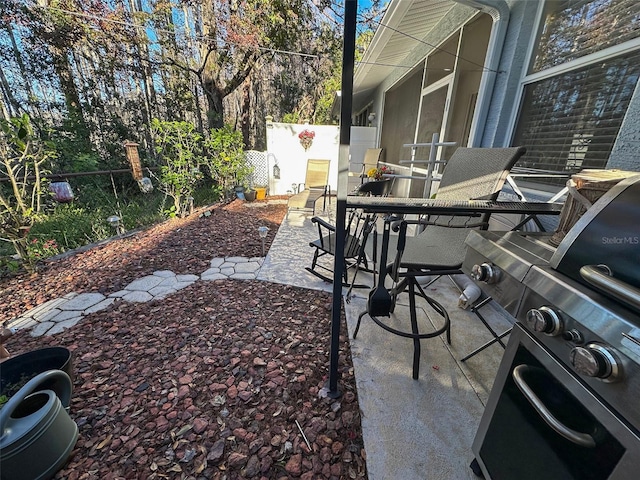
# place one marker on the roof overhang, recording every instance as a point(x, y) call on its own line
point(404, 25)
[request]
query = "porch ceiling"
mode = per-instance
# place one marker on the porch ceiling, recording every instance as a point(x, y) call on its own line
point(415, 19)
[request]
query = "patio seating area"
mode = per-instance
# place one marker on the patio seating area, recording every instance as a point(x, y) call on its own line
point(412, 429)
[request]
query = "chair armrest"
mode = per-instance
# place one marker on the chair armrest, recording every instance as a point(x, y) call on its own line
point(326, 225)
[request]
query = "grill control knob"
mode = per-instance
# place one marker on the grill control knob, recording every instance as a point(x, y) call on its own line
point(544, 320)
point(487, 273)
point(597, 361)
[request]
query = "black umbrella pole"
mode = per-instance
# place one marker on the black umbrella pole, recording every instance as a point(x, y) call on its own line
point(348, 57)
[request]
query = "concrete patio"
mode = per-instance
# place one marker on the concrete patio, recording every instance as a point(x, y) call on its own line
point(413, 429)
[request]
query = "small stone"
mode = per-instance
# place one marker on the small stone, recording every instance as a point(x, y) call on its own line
point(266, 463)
point(183, 391)
point(241, 433)
point(237, 460)
point(142, 387)
point(216, 452)
point(337, 447)
point(253, 466)
point(200, 425)
point(294, 465)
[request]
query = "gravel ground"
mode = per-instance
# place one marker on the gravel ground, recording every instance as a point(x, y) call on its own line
point(217, 381)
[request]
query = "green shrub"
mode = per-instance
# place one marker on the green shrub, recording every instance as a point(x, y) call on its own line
point(180, 146)
point(225, 158)
point(23, 158)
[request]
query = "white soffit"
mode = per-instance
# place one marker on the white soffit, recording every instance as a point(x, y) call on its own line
point(389, 47)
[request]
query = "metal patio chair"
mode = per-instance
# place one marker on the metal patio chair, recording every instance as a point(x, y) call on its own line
point(471, 173)
point(371, 159)
point(358, 227)
point(316, 185)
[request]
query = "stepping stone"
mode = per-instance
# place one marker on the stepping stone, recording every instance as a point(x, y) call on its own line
point(243, 276)
point(119, 294)
point(168, 282)
point(210, 271)
point(213, 276)
point(60, 327)
point(249, 267)
point(41, 329)
point(237, 259)
point(66, 315)
point(21, 323)
point(160, 291)
point(217, 262)
point(137, 297)
point(164, 273)
point(100, 306)
point(228, 271)
point(181, 285)
point(83, 301)
point(49, 316)
point(144, 284)
point(42, 310)
point(187, 278)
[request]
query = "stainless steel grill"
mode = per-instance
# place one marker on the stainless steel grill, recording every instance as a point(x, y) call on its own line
point(584, 334)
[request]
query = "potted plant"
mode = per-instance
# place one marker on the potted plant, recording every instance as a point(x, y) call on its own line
point(377, 173)
point(239, 191)
point(250, 194)
point(261, 192)
point(18, 370)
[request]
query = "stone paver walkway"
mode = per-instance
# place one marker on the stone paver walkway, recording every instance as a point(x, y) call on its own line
point(55, 315)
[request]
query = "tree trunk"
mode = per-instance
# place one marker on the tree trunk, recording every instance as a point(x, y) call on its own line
point(215, 107)
point(69, 90)
point(23, 72)
point(9, 99)
point(246, 112)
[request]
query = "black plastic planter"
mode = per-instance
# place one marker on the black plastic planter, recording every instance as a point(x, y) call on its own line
point(16, 371)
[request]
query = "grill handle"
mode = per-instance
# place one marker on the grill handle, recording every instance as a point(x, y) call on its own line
point(579, 438)
point(600, 277)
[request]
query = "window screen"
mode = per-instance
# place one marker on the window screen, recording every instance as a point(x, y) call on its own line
point(570, 121)
point(575, 28)
point(400, 112)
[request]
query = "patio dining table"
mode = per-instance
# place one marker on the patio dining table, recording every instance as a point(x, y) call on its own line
point(423, 206)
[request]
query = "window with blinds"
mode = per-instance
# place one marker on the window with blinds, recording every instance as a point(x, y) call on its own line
point(574, 28)
point(571, 121)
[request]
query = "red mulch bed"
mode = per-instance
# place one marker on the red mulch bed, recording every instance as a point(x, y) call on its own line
point(208, 383)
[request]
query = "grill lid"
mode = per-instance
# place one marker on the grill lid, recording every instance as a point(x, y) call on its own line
point(607, 234)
